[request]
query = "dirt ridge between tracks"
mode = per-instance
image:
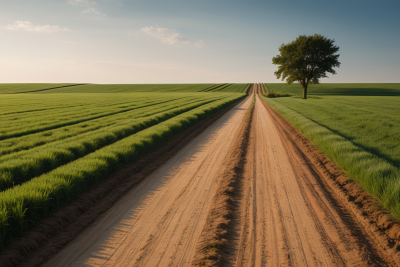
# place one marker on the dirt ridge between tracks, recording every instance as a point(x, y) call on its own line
point(56, 231)
point(379, 225)
point(212, 248)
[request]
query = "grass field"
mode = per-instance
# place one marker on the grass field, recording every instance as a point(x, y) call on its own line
point(121, 88)
point(361, 134)
point(355, 89)
point(12, 88)
point(53, 147)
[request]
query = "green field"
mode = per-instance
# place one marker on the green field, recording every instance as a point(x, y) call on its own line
point(55, 146)
point(350, 89)
point(12, 88)
point(361, 134)
point(121, 88)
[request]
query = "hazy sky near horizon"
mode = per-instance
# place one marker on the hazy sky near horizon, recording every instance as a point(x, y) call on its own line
point(191, 41)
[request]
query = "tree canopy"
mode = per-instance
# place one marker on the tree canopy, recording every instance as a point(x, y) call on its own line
point(306, 60)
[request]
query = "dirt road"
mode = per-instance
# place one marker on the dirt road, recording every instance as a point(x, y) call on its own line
point(287, 215)
point(160, 220)
point(284, 214)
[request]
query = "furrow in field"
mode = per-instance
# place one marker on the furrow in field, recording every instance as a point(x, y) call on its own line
point(40, 90)
point(222, 88)
point(13, 111)
point(159, 222)
point(78, 105)
point(20, 167)
point(44, 124)
point(84, 110)
point(18, 105)
point(60, 109)
point(130, 88)
point(215, 87)
point(72, 132)
point(12, 88)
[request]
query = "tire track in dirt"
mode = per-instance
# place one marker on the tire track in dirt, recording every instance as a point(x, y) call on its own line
point(214, 243)
point(160, 220)
point(287, 214)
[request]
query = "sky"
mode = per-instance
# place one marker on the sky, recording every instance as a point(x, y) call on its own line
point(190, 41)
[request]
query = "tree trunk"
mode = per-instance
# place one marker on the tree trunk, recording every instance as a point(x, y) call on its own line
point(305, 92)
point(304, 85)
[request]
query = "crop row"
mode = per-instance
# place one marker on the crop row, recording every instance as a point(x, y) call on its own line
point(12, 123)
point(20, 167)
point(130, 88)
point(39, 104)
point(222, 88)
point(23, 125)
point(229, 87)
point(25, 142)
point(12, 88)
point(238, 87)
point(246, 88)
point(23, 205)
point(74, 108)
point(107, 88)
point(215, 87)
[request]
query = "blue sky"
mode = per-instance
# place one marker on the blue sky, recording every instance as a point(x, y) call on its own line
point(155, 41)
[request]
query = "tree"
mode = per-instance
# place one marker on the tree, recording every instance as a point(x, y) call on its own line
point(306, 60)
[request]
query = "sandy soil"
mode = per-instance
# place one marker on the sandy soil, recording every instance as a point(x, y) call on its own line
point(217, 231)
point(160, 220)
point(287, 215)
